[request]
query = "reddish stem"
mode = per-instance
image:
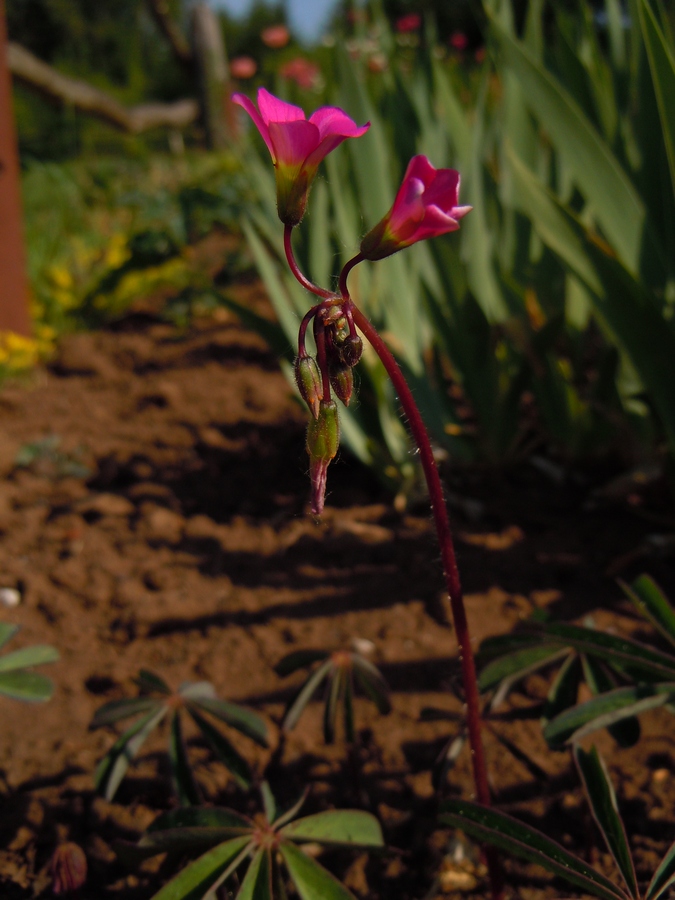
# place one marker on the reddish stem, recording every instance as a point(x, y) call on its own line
point(304, 281)
point(451, 572)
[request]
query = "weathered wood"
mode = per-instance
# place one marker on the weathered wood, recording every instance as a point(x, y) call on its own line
point(159, 10)
point(214, 76)
point(14, 314)
point(31, 71)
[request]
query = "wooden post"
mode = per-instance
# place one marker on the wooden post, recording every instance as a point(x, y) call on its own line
point(214, 78)
point(14, 315)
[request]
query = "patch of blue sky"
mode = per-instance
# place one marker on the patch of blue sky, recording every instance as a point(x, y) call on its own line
point(307, 19)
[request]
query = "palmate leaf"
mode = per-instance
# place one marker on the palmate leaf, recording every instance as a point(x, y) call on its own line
point(298, 704)
point(184, 782)
point(606, 710)
point(605, 811)
point(489, 826)
point(257, 883)
point(28, 656)
point(647, 597)
point(113, 767)
point(244, 720)
point(517, 665)
point(193, 882)
point(224, 750)
point(27, 686)
point(310, 879)
point(299, 659)
point(343, 827)
point(116, 710)
point(193, 828)
point(663, 877)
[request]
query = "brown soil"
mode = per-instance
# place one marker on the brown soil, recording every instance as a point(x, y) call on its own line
point(187, 548)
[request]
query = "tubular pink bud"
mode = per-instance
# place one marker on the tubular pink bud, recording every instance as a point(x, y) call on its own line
point(323, 438)
point(308, 380)
point(342, 382)
point(69, 868)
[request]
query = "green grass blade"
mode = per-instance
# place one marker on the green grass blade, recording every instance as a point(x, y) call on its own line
point(346, 827)
point(605, 811)
point(662, 66)
point(257, 883)
point(489, 826)
point(194, 881)
point(663, 877)
point(650, 601)
point(310, 879)
point(28, 656)
point(30, 687)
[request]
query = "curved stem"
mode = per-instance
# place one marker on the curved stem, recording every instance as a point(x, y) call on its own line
point(451, 572)
point(302, 350)
point(304, 281)
point(346, 269)
point(321, 359)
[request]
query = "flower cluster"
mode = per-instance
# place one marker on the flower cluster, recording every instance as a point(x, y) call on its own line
point(426, 205)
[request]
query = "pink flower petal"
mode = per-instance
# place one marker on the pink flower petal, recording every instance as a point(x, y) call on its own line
point(274, 110)
point(420, 167)
point(330, 120)
point(293, 141)
point(243, 101)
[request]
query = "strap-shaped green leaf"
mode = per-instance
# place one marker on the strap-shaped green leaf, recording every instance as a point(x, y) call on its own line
point(348, 701)
point(488, 826)
point(244, 720)
point(113, 767)
point(149, 681)
point(310, 879)
point(298, 704)
point(372, 683)
point(299, 659)
point(337, 826)
point(650, 601)
point(269, 802)
point(28, 656)
point(663, 877)
point(662, 65)
point(193, 828)
point(194, 881)
point(336, 680)
point(30, 687)
point(223, 749)
point(606, 710)
point(599, 679)
point(184, 782)
point(7, 632)
point(518, 664)
point(257, 883)
point(200, 817)
point(563, 692)
point(116, 710)
point(605, 811)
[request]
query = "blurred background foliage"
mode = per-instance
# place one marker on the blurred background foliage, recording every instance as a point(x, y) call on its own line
point(544, 327)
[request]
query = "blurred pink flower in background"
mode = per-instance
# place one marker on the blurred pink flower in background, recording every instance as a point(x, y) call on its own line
point(458, 40)
point(303, 72)
point(275, 37)
point(243, 67)
point(409, 22)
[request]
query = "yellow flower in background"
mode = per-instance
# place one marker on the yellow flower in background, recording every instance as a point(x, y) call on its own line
point(117, 251)
point(17, 353)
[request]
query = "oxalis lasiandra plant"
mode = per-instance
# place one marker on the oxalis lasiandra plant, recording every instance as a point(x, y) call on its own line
point(425, 206)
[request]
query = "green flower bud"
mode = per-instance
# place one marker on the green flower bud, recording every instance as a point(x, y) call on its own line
point(323, 438)
point(308, 380)
point(342, 381)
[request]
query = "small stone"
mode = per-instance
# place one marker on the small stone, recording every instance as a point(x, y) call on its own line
point(10, 597)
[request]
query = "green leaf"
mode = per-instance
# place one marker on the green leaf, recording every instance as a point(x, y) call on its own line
point(608, 189)
point(28, 656)
point(335, 691)
point(244, 720)
point(200, 817)
point(299, 659)
point(626, 732)
point(148, 681)
point(113, 767)
point(518, 664)
point(7, 632)
point(197, 690)
point(116, 710)
point(348, 701)
point(605, 710)
point(193, 882)
point(184, 782)
point(310, 879)
point(488, 826)
point(372, 683)
point(293, 810)
point(563, 691)
point(257, 883)
point(337, 826)
point(647, 597)
point(269, 803)
point(305, 694)
point(223, 749)
point(606, 813)
point(662, 66)
point(27, 686)
point(193, 828)
point(663, 877)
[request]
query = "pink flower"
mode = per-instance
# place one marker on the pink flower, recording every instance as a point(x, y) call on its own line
point(297, 145)
point(409, 22)
point(243, 67)
point(425, 206)
point(302, 71)
point(459, 41)
point(275, 36)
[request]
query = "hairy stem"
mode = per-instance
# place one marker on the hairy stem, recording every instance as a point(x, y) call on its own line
point(304, 281)
point(450, 570)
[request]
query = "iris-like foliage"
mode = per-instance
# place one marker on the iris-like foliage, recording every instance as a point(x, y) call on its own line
point(508, 834)
point(268, 845)
point(155, 704)
point(16, 678)
point(338, 673)
point(625, 676)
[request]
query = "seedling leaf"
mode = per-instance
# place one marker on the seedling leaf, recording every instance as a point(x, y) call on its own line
point(605, 811)
point(563, 691)
point(489, 826)
point(337, 826)
point(646, 596)
point(299, 659)
point(7, 632)
point(224, 750)
point(518, 664)
point(373, 684)
point(257, 883)
point(113, 767)
point(244, 720)
point(297, 706)
point(148, 681)
point(193, 882)
point(626, 732)
point(27, 686)
point(311, 880)
point(28, 656)
point(269, 803)
point(184, 783)
point(116, 710)
point(663, 877)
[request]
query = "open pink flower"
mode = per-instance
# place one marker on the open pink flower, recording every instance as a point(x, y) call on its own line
point(425, 206)
point(297, 145)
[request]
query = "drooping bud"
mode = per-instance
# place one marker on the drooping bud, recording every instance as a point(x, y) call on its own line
point(351, 350)
point(323, 439)
point(69, 868)
point(308, 380)
point(342, 381)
